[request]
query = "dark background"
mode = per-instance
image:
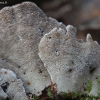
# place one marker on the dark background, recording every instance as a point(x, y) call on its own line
point(84, 14)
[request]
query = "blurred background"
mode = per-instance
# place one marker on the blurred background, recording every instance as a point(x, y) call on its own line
point(83, 14)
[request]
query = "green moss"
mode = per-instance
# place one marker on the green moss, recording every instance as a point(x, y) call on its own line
point(34, 97)
point(89, 87)
point(49, 93)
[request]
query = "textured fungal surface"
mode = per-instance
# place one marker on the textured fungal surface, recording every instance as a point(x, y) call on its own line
point(11, 87)
point(70, 61)
point(59, 58)
point(21, 28)
point(3, 95)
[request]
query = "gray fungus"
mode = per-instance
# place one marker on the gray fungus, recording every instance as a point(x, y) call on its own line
point(38, 49)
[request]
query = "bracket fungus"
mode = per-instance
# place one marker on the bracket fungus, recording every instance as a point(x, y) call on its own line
point(69, 61)
point(10, 86)
point(63, 59)
point(21, 28)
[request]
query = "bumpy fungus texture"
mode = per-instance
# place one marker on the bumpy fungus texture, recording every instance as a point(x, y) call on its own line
point(67, 61)
point(70, 61)
point(21, 28)
point(11, 87)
